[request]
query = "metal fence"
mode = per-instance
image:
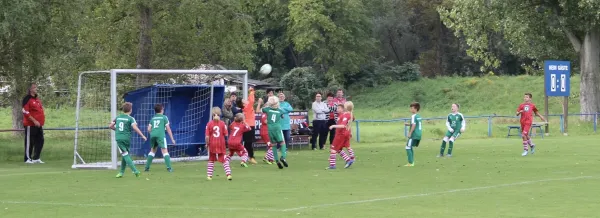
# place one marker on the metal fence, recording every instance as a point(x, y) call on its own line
point(505, 122)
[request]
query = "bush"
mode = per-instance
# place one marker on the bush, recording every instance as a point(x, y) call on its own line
point(378, 74)
point(302, 82)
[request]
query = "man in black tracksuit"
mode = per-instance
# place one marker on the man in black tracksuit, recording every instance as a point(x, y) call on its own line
point(33, 121)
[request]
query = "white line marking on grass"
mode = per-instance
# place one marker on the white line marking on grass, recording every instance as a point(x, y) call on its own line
point(435, 193)
point(34, 173)
point(132, 206)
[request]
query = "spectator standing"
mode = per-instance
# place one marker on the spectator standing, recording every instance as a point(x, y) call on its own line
point(227, 112)
point(320, 128)
point(285, 121)
point(33, 121)
point(234, 103)
point(270, 93)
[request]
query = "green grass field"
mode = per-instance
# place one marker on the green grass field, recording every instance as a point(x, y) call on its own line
point(485, 178)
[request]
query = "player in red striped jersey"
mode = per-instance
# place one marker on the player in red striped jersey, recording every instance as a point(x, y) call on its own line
point(527, 109)
point(237, 130)
point(216, 130)
point(343, 134)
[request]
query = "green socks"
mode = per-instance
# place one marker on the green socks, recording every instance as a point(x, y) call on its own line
point(275, 155)
point(411, 157)
point(129, 162)
point(450, 147)
point(284, 151)
point(443, 147)
point(167, 160)
point(149, 160)
point(123, 165)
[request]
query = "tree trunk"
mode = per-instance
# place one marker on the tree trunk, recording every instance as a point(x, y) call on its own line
point(145, 44)
point(590, 74)
point(17, 114)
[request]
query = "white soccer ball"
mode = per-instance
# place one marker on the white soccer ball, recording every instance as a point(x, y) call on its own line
point(265, 69)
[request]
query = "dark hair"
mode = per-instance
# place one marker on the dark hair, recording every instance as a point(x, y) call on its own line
point(270, 90)
point(457, 105)
point(158, 108)
point(239, 103)
point(233, 94)
point(340, 90)
point(416, 105)
point(126, 107)
point(529, 94)
point(329, 94)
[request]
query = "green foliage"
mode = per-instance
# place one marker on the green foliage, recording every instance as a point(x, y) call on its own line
point(302, 82)
point(378, 74)
point(336, 33)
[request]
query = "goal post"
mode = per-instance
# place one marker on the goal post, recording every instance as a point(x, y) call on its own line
point(187, 97)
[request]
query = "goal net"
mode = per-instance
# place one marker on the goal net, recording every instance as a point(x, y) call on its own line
point(186, 95)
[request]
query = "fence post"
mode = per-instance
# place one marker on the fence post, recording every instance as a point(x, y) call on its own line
point(562, 120)
point(490, 126)
point(405, 128)
point(357, 131)
point(595, 121)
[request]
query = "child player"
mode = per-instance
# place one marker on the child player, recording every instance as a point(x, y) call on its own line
point(216, 130)
point(264, 133)
point(274, 115)
point(237, 130)
point(158, 124)
point(456, 125)
point(122, 125)
point(526, 110)
point(342, 137)
point(414, 135)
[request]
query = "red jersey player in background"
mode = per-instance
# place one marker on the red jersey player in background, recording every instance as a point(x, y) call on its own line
point(216, 130)
point(527, 109)
point(264, 134)
point(343, 134)
point(237, 130)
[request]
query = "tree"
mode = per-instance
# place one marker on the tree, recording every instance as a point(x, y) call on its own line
point(537, 29)
point(30, 32)
point(302, 82)
point(336, 34)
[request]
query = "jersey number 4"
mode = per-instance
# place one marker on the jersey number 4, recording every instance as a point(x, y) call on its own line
point(274, 117)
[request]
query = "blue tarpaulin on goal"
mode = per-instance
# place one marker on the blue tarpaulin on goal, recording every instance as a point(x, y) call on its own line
point(188, 110)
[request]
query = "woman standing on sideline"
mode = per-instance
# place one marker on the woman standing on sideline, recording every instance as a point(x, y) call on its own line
point(247, 107)
point(285, 122)
point(227, 112)
point(320, 128)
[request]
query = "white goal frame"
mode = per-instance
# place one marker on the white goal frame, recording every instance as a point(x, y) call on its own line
point(114, 108)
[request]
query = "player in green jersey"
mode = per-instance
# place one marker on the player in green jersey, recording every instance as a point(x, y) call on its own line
point(456, 125)
point(158, 124)
point(122, 125)
point(415, 133)
point(274, 115)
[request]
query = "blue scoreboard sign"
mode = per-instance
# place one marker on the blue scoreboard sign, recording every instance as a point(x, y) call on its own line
point(557, 78)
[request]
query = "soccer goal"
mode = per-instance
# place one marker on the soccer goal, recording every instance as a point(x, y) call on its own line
point(187, 97)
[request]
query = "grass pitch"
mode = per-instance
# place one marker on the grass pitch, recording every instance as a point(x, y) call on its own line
point(485, 178)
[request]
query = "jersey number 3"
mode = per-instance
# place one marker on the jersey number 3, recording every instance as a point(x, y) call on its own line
point(216, 131)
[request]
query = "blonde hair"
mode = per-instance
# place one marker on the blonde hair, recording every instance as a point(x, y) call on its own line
point(273, 102)
point(239, 117)
point(349, 106)
point(216, 111)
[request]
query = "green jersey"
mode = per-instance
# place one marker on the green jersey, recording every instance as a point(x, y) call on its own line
point(418, 132)
point(158, 125)
point(455, 121)
point(273, 118)
point(123, 127)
